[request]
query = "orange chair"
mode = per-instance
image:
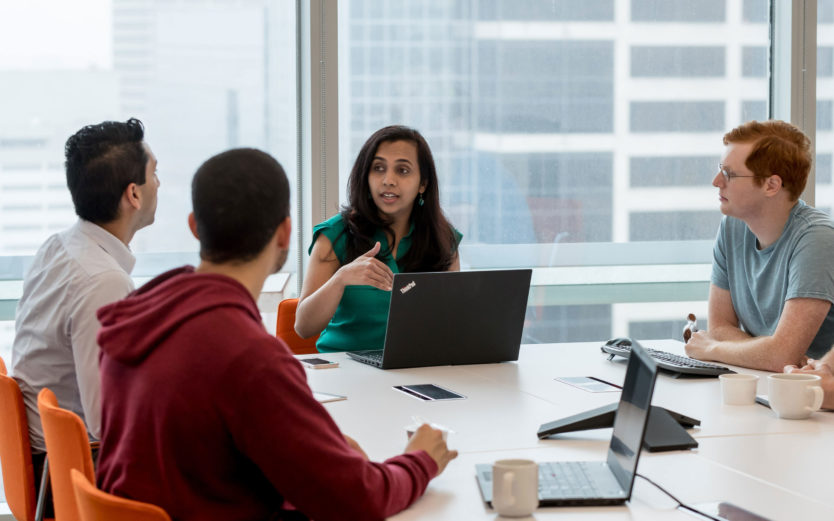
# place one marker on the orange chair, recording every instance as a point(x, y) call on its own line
point(68, 448)
point(15, 452)
point(96, 505)
point(285, 329)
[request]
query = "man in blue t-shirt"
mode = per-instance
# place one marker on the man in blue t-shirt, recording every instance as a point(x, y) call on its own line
point(772, 281)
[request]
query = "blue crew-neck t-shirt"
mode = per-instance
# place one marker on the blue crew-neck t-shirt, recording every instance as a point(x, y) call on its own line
point(359, 321)
point(800, 264)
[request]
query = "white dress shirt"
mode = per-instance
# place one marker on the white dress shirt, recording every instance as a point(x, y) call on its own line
point(73, 274)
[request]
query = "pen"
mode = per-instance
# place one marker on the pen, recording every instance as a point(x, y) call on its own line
point(603, 381)
point(690, 327)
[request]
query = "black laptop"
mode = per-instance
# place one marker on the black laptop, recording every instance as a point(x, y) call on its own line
point(600, 482)
point(452, 318)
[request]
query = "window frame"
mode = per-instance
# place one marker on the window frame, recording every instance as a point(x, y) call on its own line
point(793, 50)
point(792, 77)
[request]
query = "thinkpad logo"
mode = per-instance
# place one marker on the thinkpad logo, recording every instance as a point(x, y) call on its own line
point(407, 287)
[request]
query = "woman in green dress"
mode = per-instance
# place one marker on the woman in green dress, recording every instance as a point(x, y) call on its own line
point(392, 223)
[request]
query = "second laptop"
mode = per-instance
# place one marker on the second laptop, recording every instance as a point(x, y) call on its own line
point(453, 318)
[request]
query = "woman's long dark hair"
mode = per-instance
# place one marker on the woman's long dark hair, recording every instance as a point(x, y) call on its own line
point(433, 244)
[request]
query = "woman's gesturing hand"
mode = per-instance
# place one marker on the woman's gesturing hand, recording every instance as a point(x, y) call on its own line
point(366, 270)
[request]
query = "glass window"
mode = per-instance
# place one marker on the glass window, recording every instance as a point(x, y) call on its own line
point(566, 323)
point(824, 114)
point(674, 61)
point(755, 11)
point(565, 10)
point(667, 226)
point(545, 151)
point(825, 11)
point(652, 172)
point(754, 62)
point(203, 76)
point(825, 62)
point(660, 328)
point(539, 87)
point(677, 116)
point(823, 167)
point(685, 11)
point(753, 110)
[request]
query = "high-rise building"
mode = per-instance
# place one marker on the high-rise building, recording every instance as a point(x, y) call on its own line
point(553, 123)
point(566, 122)
point(41, 109)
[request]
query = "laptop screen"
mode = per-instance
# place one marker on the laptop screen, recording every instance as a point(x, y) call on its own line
point(632, 416)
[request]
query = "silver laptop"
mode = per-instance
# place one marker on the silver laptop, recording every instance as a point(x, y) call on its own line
point(600, 482)
point(452, 318)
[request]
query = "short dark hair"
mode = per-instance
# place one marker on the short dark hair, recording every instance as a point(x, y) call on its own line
point(101, 161)
point(434, 245)
point(240, 197)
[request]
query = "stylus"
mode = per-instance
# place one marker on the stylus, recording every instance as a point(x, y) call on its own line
point(603, 381)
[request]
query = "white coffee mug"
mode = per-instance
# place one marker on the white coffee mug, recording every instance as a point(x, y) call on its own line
point(738, 388)
point(515, 487)
point(794, 396)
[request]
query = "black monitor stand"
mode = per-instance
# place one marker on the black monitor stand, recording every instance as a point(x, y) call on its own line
point(665, 430)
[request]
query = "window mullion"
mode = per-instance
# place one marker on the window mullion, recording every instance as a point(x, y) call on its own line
point(794, 70)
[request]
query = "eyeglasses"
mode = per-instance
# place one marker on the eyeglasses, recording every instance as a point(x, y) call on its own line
point(729, 176)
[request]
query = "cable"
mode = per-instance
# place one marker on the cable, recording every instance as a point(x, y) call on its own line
point(680, 503)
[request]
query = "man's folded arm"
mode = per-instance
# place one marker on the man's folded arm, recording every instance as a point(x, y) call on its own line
point(724, 342)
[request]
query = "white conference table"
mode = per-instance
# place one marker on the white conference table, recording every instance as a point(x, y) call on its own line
point(746, 456)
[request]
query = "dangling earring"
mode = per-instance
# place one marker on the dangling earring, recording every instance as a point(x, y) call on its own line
point(420, 200)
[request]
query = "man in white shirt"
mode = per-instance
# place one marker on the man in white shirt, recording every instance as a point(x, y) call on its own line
point(111, 174)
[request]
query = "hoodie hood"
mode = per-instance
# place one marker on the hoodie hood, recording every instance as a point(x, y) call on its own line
point(133, 327)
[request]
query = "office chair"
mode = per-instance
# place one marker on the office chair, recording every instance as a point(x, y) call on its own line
point(97, 505)
point(68, 448)
point(15, 452)
point(285, 329)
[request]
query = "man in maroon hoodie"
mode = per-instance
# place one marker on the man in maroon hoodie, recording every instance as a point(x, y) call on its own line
point(206, 414)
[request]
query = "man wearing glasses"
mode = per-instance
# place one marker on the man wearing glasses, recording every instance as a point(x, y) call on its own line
point(772, 281)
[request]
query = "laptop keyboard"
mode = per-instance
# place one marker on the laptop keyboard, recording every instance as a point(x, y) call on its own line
point(570, 479)
point(672, 362)
point(372, 357)
point(560, 480)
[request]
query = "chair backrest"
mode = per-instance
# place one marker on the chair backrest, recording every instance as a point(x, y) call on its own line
point(97, 505)
point(285, 329)
point(15, 452)
point(68, 448)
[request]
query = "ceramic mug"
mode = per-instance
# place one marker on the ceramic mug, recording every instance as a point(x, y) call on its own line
point(515, 487)
point(738, 389)
point(794, 396)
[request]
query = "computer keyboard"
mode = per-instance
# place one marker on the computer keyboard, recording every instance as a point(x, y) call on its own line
point(573, 479)
point(670, 361)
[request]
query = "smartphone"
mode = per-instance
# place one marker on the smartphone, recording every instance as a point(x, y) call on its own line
point(729, 512)
point(429, 392)
point(762, 400)
point(318, 363)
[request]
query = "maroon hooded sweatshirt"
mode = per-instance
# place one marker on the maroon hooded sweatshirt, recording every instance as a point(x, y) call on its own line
point(208, 416)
